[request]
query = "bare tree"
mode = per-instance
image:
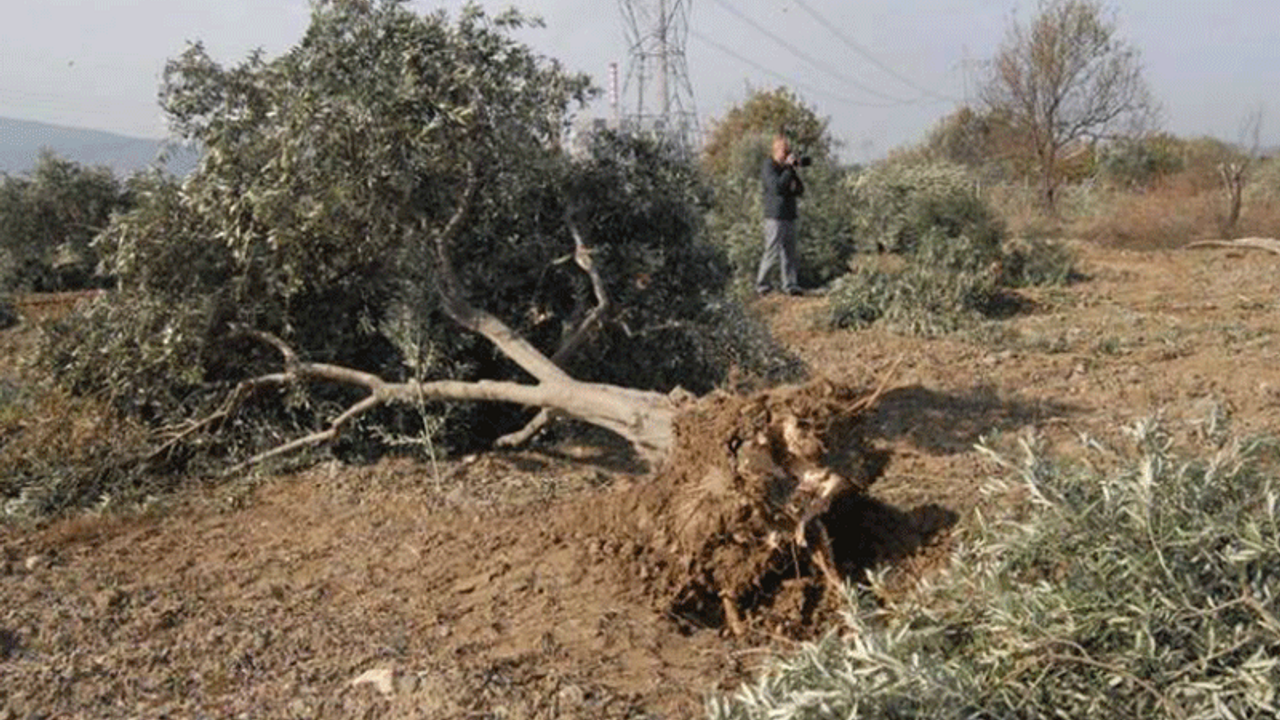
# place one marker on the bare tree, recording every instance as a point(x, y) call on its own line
point(1063, 79)
point(1235, 173)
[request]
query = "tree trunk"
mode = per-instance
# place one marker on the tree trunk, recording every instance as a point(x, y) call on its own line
point(1049, 178)
point(1233, 176)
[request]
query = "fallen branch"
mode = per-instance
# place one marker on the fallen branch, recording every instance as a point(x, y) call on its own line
point(328, 434)
point(1271, 245)
point(455, 305)
point(582, 256)
point(540, 422)
point(178, 434)
point(886, 378)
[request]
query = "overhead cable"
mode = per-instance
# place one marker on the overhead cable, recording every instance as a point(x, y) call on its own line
point(789, 81)
point(866, 54)
point(823, 66)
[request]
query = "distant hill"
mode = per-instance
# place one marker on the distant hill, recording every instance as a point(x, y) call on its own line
point(22, 140)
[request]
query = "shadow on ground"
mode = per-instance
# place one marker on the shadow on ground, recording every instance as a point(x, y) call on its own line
point(941, 423)
point(867, 533)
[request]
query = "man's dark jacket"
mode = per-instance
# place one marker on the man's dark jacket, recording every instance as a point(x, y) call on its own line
point(782, 186)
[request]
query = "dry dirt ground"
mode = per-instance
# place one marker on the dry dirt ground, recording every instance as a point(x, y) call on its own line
point(480, 588)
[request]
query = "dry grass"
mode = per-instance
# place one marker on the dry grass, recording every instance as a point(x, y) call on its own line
point(1162, 218)
point(1182, 209)
point(1019, 206)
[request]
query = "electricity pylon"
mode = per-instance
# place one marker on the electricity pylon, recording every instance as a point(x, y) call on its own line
point(657, 77)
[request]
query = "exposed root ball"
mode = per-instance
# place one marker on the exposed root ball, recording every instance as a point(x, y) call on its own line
point(736, 514)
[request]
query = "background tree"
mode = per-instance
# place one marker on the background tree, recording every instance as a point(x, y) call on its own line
point(964, 137)
point(1235, 175)
point(48, 219)
point(766, 112)
point(1138, 163)
point(1063, 79)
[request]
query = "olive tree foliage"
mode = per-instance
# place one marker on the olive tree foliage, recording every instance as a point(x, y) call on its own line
point(388, 179)
point(1138, 579)
point(945, 240)
point(48, 219)
point(736, 150)
point(937, 257)
point(1066, 78)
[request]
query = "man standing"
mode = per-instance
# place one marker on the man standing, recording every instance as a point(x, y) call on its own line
point(782, 185)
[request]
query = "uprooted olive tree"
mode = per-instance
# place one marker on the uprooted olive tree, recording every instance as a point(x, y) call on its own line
point(384, 227)
point(387, 182)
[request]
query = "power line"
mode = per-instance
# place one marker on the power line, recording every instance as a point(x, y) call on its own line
point(790, 81)
point(825, 67)
point(866, 54)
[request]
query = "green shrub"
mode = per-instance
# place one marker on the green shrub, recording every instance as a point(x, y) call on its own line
point(1140, 162)
point(897, 205)
point(917, 299)
point(954, 265)
point(1138, 583)
point(930, 216)
point(1035, 262)
point(825, 242)
point(48, 219)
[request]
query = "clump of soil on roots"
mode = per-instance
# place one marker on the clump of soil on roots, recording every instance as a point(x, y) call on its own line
point(732, 532)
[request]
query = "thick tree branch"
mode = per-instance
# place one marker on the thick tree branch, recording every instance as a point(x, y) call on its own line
point(315, 438)
point(582, 256)
point(455, 305)
point(644, 418)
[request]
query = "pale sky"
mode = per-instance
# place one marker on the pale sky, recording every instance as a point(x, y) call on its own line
point(887, 72)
